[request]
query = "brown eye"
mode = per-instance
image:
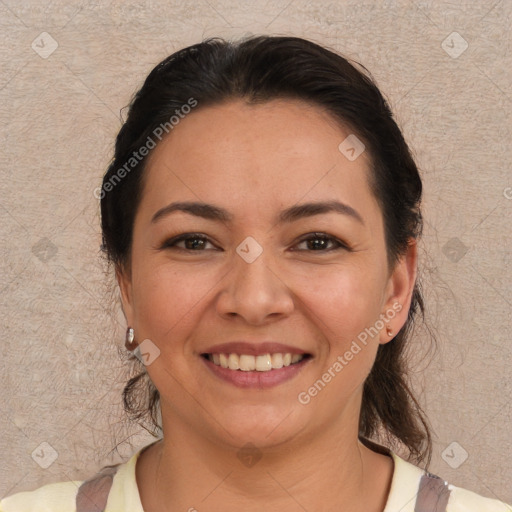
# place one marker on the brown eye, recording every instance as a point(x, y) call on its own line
point(321, 242)
point(191, 242)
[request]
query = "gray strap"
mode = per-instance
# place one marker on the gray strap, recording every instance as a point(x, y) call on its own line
point(92, 495)
point(433, 494)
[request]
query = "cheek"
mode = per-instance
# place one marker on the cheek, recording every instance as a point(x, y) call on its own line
point(168, 299)
point(170, 303)
point(340, 303)
point(346, 304)
point(344, 300)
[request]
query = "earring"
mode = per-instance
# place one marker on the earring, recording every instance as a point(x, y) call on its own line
point(389, 331)
point(129, 341)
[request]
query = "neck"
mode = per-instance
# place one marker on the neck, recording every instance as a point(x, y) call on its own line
point(192, 472)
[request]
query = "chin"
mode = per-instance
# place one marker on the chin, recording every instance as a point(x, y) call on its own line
point(262, 426)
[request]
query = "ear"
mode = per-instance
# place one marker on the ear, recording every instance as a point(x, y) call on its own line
point(399, 292)
point(123, 278)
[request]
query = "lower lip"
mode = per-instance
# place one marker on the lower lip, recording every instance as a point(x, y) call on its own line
point(255, 379)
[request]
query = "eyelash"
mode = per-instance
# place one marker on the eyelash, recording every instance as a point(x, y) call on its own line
point(171, 242)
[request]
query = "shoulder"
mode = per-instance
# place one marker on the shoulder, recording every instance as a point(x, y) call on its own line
point(56, 497)
point(413, 489)
point(113, 488)
point(462, 500)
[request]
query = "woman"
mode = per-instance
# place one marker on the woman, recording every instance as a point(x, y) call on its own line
point(262, 213)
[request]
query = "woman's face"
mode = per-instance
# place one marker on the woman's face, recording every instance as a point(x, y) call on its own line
point(259, 268)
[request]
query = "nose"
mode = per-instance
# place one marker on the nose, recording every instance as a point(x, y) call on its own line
point(254, 291)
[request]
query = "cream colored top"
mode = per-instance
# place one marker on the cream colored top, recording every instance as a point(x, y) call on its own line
point(124, 494)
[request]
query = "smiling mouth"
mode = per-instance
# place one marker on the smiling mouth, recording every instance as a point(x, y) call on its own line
point(261, 363)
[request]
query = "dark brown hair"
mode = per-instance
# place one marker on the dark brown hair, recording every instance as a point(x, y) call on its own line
point(260, 69)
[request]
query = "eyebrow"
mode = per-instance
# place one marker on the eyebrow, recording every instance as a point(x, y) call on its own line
point(212, 212)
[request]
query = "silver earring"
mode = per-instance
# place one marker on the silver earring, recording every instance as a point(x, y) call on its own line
point(129, 341)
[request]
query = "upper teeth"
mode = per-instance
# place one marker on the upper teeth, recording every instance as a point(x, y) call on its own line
point(247, 363)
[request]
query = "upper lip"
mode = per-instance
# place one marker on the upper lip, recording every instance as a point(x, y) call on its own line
point(253, 349)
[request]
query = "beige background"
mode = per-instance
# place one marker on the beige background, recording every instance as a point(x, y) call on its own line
point(60, 369)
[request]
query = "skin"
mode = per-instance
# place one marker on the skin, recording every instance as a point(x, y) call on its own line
point(255, 161)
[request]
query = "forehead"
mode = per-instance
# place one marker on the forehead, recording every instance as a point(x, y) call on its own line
point(281, 151)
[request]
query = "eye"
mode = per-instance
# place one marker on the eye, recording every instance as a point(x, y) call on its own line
point(194, 242)
point(319, 242)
